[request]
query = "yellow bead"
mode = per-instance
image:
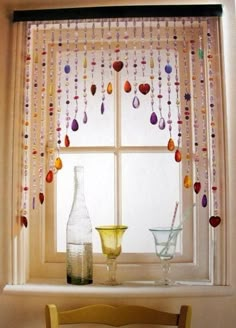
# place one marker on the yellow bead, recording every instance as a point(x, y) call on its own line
point(187, 181)
point(188, 156)
point(85, 62)
point(58, 163)
point(151, 62)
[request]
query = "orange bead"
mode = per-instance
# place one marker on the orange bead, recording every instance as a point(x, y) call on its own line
point(171, 144)
point(109, 88)
point(127, 86)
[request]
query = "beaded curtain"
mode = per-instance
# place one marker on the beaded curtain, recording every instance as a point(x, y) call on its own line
point(178, 59)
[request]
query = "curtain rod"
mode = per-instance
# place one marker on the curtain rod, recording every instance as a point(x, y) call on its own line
point(118, 12)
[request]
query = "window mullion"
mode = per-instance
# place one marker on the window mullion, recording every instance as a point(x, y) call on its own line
point(117, 154)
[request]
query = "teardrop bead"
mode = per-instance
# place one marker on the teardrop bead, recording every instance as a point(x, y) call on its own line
point(85, 62)
point(187, 181)
point(178, 155)
point(151, 62)
point(36, 58)
point(74, 125)
point(197, 187)
point(162, 123)
point(67, 141)
point(109, 88)
point(200, 54)
point(93, 89)
point(58, 163)
point(136, 102)
point(153, 118)
point(127, 86)
point(50, 89)
point(41, 197)
point(85, 118)
point(171, 144)
point(24, 221)
point(67, 69)
point(204, 200)
point(102, 108)
point(49, 176)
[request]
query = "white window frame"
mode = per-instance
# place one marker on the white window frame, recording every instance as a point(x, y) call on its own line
point(24, 251)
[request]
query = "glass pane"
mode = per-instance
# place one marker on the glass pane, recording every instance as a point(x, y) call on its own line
point(150, 190)
point(98, 188)
point(136, 127)
point(99, 129)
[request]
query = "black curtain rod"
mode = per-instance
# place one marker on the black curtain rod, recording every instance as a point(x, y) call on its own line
point(118, 12)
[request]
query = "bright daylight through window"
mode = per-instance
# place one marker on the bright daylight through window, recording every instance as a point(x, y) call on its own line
point(137, 103)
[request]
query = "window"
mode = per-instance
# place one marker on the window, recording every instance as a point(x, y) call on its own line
point(130, 175)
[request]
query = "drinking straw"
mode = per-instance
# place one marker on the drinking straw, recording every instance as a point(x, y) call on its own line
point(174, 215)
point(180, 226)
point(171, 235)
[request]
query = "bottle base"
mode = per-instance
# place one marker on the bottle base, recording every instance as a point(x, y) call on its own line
point(79, 281)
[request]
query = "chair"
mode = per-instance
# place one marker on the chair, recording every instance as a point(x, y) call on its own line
point(116, 316)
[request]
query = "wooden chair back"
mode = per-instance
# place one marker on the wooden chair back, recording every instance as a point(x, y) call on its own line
point(117, 316)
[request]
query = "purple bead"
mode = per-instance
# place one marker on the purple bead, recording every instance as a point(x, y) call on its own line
point(102, 108)
point(74, 125)
point(162, 123)
point(67, 69)
point(153, 118)
point(168, 68)
point(136, 102)
point(204, 201)
point(85, 119)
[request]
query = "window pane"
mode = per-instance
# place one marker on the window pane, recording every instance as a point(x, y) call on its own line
point(150, 189)
point(136, 128)
point(99, 129)
point(98, 188)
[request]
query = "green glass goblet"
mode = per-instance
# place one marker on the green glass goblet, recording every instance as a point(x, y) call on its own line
point(111, 238)
point(165, 245)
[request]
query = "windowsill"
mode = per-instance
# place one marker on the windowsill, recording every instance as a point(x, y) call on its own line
point(140, 289)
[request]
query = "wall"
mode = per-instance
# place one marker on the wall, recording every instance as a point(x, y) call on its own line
point(28, 311)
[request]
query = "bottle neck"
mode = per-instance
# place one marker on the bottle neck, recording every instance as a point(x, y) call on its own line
point(79, 208)
point(78, 182)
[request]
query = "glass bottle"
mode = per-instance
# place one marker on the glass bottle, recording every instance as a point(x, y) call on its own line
point(79, 236)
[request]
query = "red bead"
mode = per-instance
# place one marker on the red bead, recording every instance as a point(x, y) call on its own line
point(214, 221)
point(41, 197)
point(24, 221)
point(49, 176)
point(144, 88)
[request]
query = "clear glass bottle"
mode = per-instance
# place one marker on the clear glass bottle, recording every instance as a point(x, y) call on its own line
point(79, 236)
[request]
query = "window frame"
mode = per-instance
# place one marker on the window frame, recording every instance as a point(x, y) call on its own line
point(37, 231)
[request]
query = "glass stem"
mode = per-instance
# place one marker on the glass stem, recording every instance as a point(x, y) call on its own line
point(165, 264)
point(111, 268)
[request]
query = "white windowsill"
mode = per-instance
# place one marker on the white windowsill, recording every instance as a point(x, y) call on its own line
point(128, 289)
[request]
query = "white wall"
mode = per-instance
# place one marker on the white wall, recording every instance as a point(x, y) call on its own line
point(17, 311)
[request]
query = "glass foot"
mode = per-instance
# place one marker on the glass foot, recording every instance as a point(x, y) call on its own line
point(166, 282)
point(111, 283)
